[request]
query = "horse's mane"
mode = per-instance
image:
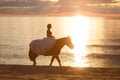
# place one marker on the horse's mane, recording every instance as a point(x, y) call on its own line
point(60, 41)
point(64, 38)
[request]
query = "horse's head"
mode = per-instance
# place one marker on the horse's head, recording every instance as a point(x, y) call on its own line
point(69, 42)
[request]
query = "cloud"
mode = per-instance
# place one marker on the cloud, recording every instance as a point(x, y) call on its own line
point(62, 7)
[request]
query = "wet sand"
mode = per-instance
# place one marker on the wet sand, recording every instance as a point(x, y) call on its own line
point(28, 72)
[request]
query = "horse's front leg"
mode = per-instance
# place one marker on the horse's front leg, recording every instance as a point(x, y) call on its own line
point(57, 57)
point(53, 57)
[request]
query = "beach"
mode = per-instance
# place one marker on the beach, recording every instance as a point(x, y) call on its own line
point(93, 28)
point(29, 72)
point(98, 51)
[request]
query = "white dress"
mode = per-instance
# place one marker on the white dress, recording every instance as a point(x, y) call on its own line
point(40, 46)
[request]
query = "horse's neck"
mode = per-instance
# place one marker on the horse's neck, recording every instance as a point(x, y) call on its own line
point(58, 45)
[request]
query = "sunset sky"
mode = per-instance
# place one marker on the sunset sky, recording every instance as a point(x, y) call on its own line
point(61, 7)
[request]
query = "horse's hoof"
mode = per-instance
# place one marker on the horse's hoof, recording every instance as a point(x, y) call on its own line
point(34, 64)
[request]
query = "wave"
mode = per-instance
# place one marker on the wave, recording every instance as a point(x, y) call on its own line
point(110, 56)
point(112, 40)
point(104, 46)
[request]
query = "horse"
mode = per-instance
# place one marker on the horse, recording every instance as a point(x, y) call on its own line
point(54, 51)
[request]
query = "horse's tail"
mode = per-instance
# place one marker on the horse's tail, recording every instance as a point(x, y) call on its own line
point(32, 56)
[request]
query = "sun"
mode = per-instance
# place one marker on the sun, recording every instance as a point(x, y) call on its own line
point(54, 0)
point(50, 0)
point(80, 27)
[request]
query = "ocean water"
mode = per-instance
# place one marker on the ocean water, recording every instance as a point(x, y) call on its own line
point(96, 40)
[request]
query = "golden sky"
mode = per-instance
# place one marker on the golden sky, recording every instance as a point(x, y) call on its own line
point(61, 7)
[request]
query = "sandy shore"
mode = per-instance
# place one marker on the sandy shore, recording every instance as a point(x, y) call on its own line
point(27, 72)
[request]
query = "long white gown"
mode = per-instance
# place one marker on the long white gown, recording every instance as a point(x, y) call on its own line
point(40, 46)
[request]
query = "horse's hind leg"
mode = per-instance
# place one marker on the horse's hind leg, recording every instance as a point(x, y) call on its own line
point(34, 62)
point(32, 57)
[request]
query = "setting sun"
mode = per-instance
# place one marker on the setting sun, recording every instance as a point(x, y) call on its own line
point(54, 0)
point(80, 27)
point(50, 0)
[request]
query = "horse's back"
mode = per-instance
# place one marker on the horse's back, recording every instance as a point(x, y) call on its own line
point(42, 45)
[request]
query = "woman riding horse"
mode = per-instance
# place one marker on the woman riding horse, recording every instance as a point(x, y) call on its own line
point(54, 52)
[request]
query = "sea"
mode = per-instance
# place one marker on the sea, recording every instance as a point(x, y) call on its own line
point(96, 40)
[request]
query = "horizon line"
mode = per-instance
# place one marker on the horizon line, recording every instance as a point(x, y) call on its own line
point(62, 14)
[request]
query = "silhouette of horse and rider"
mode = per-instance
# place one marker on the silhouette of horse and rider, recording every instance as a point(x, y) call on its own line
point(48, 47)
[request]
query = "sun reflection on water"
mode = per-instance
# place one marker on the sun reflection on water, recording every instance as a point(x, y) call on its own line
point(80, 27)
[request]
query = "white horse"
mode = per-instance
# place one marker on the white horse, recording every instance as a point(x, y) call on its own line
point(53, 50)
